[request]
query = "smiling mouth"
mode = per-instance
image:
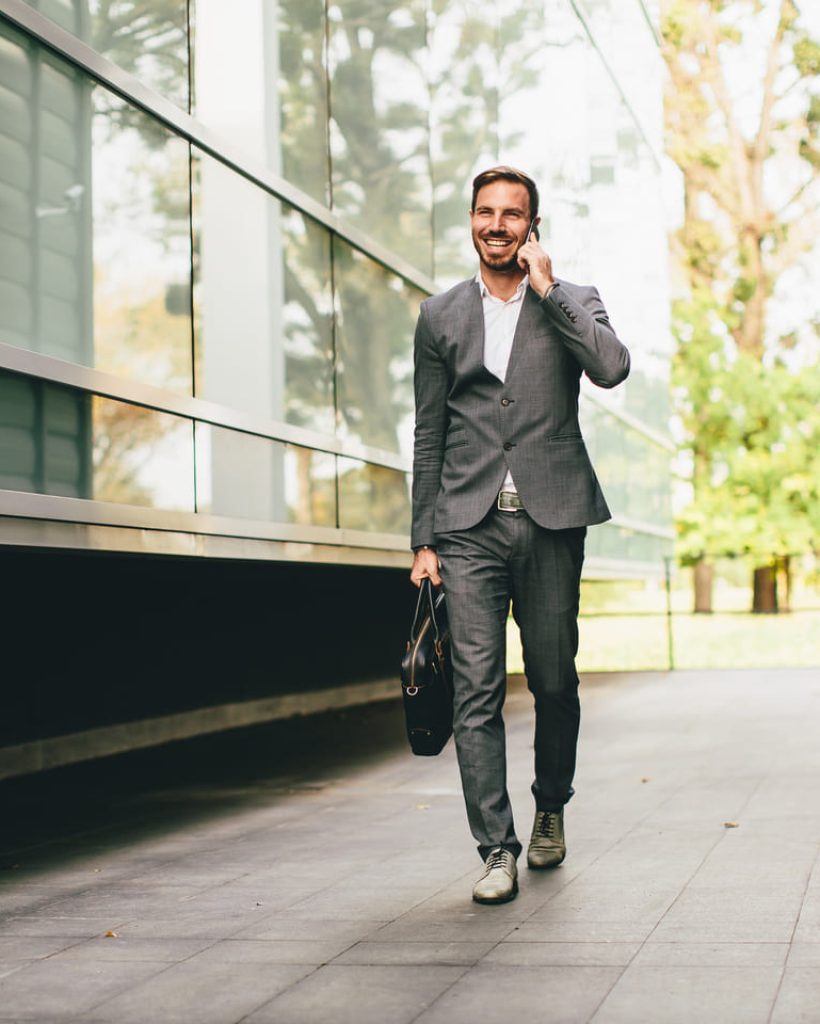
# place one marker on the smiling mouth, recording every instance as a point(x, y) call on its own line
point(498, 243)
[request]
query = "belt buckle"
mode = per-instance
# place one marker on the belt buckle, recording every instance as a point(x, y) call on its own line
point(505, 508)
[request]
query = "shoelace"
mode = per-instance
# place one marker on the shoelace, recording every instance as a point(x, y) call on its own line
point(497, 859)
point(546, 825)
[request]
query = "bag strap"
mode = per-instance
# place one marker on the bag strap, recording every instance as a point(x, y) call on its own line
point(425, 593)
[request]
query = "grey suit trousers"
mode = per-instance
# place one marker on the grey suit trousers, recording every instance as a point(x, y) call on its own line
point(509, 558)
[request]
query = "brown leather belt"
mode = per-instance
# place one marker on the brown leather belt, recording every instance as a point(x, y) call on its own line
point(509, 501)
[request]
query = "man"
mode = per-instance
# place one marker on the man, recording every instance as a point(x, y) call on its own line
point(503, 491)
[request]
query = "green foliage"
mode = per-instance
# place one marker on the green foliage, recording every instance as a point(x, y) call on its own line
point(754, 433)
point(807, 57)
point(749, 415)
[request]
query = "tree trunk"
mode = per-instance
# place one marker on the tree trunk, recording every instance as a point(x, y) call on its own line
point(703, 577)
point(764, 600)
point(784, 584)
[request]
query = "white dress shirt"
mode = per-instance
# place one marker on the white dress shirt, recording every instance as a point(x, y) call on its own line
point(500, 321)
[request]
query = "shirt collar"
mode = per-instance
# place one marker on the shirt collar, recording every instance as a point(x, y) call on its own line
point(486, 293)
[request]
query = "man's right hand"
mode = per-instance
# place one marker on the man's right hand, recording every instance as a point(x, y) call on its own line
point(425, 564)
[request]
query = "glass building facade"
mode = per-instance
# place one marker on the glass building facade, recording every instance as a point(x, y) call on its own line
point(217, 222)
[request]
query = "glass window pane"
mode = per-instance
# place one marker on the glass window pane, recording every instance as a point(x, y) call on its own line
point(95, 254)
point(251, 477)
point(148, 39)
point(463, 43)
point(622, 545)
point(373, 498)
point(261, 83)
point(264, 313)
point(376, 318)
point(600, 182)
point(56, 440)
point(142, 247)
point(142, 457)
point(45, 440)
point(634, 471)
point(379, 127)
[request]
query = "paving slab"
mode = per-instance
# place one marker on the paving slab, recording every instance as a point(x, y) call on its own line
point(48, 989)
point(35, 947)
point(420, 952)
point(804, 954)
point(204, 992)
point(338, 887)
point(352, 994)
point(560, 995)
point(563, 954)
point(681, 995)
point(273, 951)
point(122, 947)
point(798, 1000)
point(712, 954)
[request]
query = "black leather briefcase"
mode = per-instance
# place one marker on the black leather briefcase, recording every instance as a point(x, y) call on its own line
point(427, 675)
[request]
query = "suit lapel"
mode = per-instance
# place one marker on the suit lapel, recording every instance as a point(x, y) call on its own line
point(527, 321)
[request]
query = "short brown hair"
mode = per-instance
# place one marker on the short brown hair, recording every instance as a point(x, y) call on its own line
point(504, 173)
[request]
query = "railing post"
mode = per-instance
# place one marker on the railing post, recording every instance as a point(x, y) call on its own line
point(670, 647)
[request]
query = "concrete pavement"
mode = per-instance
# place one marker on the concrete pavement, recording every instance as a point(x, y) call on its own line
point(293, 877)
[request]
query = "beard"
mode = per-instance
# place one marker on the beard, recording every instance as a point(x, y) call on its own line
point(498, 264)
point(505, 267)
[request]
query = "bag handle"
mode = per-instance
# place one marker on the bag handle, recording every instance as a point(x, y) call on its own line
point(425, 591)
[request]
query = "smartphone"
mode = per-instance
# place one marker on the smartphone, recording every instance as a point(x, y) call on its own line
point(533, 227)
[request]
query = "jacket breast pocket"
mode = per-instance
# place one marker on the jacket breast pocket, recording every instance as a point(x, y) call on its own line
point(565, 438)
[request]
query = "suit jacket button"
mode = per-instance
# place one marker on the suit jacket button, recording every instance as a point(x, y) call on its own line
point(507, 446)
point(505, 401)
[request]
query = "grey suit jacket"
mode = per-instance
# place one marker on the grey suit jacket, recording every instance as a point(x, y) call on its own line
point(470, 426)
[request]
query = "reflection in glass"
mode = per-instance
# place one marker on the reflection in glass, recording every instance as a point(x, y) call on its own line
point(379, 126)
point(94, 237)
point(142, 247)
point(45, 436)
point(264, 314)
point(56, 440)
point(250, 477)
point(464, 97)
point(149, 38)
point(261, 83)
point(373, 498)
point(622, 545)
point(634, 471)
point(622, 30)
point(142, 457)
point(376, 316)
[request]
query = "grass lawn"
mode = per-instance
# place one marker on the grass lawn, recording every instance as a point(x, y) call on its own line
point(632, 642)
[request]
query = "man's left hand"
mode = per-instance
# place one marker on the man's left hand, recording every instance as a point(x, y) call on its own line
point(533, 259)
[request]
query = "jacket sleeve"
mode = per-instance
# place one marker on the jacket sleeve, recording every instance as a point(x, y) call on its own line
point(430, 385)
point(582, 320)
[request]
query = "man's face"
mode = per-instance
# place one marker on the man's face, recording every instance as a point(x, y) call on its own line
point(499, 224)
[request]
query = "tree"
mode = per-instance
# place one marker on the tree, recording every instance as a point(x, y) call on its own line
point(751, 215)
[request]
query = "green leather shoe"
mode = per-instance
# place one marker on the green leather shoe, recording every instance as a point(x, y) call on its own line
point(499, 883)
point(547, 845)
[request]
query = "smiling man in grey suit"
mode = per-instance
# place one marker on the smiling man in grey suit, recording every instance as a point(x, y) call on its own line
point(503, 491)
